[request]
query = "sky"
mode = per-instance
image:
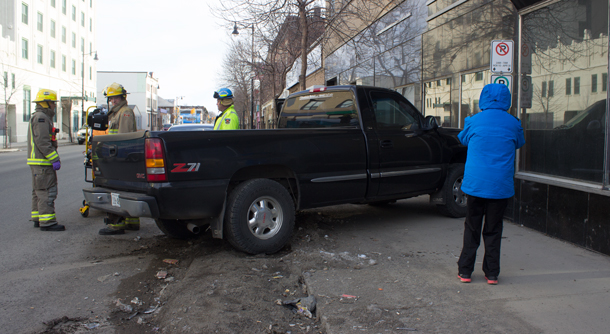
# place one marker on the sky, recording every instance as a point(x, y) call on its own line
point(180, 41)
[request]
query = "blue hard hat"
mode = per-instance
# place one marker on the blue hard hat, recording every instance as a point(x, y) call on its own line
point(223, 93)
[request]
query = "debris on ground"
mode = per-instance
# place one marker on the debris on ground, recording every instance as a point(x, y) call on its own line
point(170, 261)
point(305, 306)
point(162, 274)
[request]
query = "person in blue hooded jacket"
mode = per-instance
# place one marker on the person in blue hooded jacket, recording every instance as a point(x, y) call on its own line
point(492, 137)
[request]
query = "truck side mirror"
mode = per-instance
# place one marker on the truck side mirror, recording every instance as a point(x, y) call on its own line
point(594, 125)
point(430, 123)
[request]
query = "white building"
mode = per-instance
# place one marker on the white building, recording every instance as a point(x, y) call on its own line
point(46, 44)
point(142, 88)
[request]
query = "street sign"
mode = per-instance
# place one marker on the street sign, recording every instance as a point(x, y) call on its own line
point(501, 56)
point(506, 79)
point(526, 92)
point(526, 58)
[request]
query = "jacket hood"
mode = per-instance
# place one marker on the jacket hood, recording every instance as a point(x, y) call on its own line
point(495, 96)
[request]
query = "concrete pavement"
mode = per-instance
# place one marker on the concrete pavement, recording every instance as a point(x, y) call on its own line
point(546, 285)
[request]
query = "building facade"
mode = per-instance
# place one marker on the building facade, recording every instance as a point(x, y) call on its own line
point(50, 45)
point(142, 88)
point(437, 53)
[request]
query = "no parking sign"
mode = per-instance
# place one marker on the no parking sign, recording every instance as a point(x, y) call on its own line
point(501, 56)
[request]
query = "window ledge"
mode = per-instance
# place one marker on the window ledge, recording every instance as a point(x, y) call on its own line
point(589, 187)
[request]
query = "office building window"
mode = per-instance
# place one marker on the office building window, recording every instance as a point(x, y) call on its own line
point(74, 40)
point(479, 76)
point(551, 88)
point(27, 104)
point(52, 29)
point(52, 59)
point(24, 13)
point(39, 21)
point(24, 48)
point(63, 34)
point(63, 7)
point(577, 85)
point(90, 24)
point(90, 73)
point(594, 83)
point(53, 3)
point(82, 19)
point(82, 45)
point(604, 82)
point(568, 86)
point(543, 93)
point(73, 13)
point(73, 67)
point(39, 53)
point(63, 63)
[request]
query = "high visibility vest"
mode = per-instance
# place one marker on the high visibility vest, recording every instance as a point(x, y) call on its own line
point(228, 120)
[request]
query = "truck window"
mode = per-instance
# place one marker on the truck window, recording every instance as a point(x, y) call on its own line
point(392, 112)
point(320, 110)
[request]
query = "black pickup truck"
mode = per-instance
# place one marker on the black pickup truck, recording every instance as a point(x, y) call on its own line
point(333, 145)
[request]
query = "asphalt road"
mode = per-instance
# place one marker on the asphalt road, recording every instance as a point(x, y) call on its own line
point(48, 275)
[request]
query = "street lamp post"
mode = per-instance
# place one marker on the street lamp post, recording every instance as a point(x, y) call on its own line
point(83, 116)
point(235, 33)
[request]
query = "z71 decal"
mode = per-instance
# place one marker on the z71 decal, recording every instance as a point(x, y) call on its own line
point(186, 167)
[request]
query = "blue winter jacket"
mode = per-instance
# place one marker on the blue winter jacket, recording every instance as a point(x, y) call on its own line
point(492, 136)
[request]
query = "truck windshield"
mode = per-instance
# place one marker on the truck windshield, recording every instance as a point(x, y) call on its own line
point(320, 110)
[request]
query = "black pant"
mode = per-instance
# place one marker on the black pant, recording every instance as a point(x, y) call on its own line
point(493, 210)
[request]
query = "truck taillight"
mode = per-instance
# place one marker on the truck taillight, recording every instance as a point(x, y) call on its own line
point(155, 162)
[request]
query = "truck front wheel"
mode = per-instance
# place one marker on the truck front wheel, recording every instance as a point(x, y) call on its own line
point(259, 217)
point(455, 199)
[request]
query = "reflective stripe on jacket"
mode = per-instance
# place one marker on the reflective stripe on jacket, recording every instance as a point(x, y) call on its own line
point(228, 120)
point(42, 150)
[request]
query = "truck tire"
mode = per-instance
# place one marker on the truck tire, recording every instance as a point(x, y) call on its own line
point(455, 199)
point(259, 217)
point(175, 228)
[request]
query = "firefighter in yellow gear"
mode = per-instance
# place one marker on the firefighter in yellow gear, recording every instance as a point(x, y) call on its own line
point(44, 161)
point(228, 119)
point(121, 119)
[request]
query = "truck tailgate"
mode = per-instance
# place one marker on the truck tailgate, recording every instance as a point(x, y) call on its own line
point(118, 160)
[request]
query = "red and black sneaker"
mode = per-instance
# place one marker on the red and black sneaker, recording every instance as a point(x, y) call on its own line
point(465, 278)
point(493, 280)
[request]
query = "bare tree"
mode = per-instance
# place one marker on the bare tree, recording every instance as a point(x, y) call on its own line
point(269, 19)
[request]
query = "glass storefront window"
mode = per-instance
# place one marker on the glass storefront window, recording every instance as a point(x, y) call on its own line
point(565, 126)
point(472, 85)
point(437, 100)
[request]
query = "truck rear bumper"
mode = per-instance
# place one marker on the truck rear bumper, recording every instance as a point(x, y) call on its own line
point(123, 203)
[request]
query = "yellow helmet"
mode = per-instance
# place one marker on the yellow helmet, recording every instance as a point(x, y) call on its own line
point(45, 95)
point(115, 89)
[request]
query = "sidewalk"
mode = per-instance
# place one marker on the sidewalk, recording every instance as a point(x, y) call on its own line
point(22, 146)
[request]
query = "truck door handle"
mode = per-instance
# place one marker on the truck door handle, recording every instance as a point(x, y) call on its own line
point(112, 150)
point(386, 144)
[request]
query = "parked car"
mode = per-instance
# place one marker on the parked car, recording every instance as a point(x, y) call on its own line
point(334, 145)
point(191, 127)
point(166, 126)
point(81, 135)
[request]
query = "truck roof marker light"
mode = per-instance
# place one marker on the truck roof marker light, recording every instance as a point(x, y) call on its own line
point(316, 89)
point(155, 160)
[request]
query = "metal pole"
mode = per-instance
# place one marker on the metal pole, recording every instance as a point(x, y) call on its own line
point(252, 84)
point(82, 72)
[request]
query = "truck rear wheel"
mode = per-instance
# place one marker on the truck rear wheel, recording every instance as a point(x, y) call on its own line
point(175, 228)
point(259, 217)
point(455, 199)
